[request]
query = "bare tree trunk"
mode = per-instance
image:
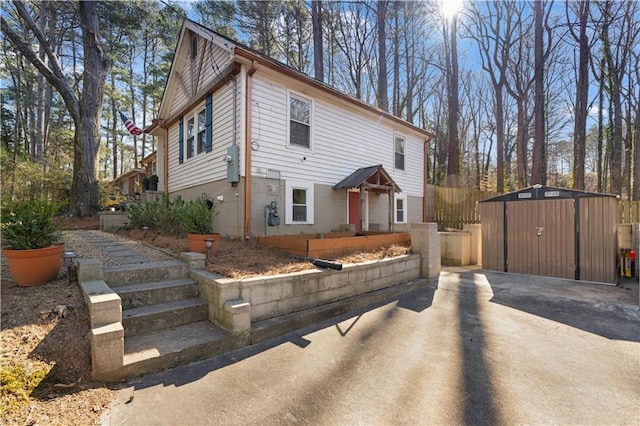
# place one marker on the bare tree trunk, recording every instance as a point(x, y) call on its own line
point(383, 99)
point(615, 168)
point(582, 96)
point(537, 175)
point(521, 146)
point(114, 132)
point(453, 151)
point(628, 142)
point(600, 142)
point(635, 194)
point(316, 19)
point(395, 97)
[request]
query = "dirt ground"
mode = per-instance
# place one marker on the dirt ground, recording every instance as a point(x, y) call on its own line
point(45, 355)
point(45, 360)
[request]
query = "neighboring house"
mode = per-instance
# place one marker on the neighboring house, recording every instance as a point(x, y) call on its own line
point(150, 164)
point(127, 183)
point(248, 131)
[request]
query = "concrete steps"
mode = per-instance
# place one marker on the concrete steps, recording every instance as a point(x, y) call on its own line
point(158, 350)
point(123, 275)
point(136, 295)
point(165, 322)
point(163, 315)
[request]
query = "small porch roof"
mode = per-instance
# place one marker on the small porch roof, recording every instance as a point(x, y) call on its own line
point(373, 178)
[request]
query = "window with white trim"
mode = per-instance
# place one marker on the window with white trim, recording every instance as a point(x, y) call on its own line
point(399, 152)
point(300, 111)
point(195, 133)
point(202, 125)
point(401, 208)
point(191, 128)
point(299, 202)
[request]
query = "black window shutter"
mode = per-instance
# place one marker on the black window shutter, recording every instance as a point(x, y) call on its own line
point(181, 141)
point(208, 144)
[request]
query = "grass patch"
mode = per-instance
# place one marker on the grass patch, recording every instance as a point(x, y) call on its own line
point(17, 382)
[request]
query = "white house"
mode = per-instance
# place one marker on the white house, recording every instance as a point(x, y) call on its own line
point(254, 134)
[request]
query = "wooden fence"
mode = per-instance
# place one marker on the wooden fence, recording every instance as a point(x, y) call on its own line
point(629, 212)
point(455, 207)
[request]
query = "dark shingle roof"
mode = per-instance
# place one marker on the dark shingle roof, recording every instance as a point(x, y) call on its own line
point(375, 175)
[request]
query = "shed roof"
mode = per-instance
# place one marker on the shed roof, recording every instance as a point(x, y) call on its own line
point(374, 178)
point(540, 192)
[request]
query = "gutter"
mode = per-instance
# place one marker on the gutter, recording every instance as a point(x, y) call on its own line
point(247, 151)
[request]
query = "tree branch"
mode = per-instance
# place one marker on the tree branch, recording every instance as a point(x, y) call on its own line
point(56, 81)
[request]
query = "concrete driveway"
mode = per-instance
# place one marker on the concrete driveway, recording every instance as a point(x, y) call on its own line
point(473, 348)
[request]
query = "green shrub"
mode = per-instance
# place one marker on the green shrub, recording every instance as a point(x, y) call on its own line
point(158, 215)
point(196, 216)
point(29, 224)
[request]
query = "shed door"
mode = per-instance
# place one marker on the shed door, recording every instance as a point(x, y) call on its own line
point(598, 239)
point(541, 238)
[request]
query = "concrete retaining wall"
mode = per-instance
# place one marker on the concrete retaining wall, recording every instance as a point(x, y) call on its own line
point(279, 295)
point(112, 220)
point(462, 248)
point(236, 304)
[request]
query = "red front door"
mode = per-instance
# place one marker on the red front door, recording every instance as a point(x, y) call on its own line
point(354, 209)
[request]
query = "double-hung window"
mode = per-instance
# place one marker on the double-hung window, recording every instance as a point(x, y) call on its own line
point(401, 209)
point(190, 136)
point(202, 126)
point(299, 205)
point(299, 202)
point(299, 122)
point(399, 146)
point(195, 131)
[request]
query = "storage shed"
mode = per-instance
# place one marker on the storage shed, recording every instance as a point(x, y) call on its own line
point(555, 232)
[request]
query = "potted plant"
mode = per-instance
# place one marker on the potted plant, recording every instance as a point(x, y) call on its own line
point(31, 240)
point(153, 183)
point(196, 219)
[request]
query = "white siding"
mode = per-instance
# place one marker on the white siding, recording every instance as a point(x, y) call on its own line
point(207, 166)
point(343, 140)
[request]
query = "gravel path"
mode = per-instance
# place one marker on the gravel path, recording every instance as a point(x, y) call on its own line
point(111, 249)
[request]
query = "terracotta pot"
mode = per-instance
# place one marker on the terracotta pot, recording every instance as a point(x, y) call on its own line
point(197, 243)
point(34, 266)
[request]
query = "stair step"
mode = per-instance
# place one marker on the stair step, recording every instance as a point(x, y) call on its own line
point(155, 351)
point(163, 315)
point(137, 295)
point(123, 275)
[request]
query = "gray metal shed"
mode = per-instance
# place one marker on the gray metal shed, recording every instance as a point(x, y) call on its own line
point(548, 231)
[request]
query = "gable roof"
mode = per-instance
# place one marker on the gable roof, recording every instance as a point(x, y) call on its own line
point(374, 178)
point(240, 50)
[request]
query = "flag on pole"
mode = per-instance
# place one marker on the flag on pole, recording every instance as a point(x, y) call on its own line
point(131, 127)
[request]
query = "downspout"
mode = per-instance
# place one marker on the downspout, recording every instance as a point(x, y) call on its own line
point(425, 192)
point(165, 144)
point(235, 109)
point(247, 151)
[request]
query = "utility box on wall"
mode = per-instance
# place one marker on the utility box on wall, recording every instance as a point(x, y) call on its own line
point(555, 232)
point(233, 164)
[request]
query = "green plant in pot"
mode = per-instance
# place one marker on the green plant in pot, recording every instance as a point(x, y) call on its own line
point(31, 241)
point(153, 182)
point(196, 220)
